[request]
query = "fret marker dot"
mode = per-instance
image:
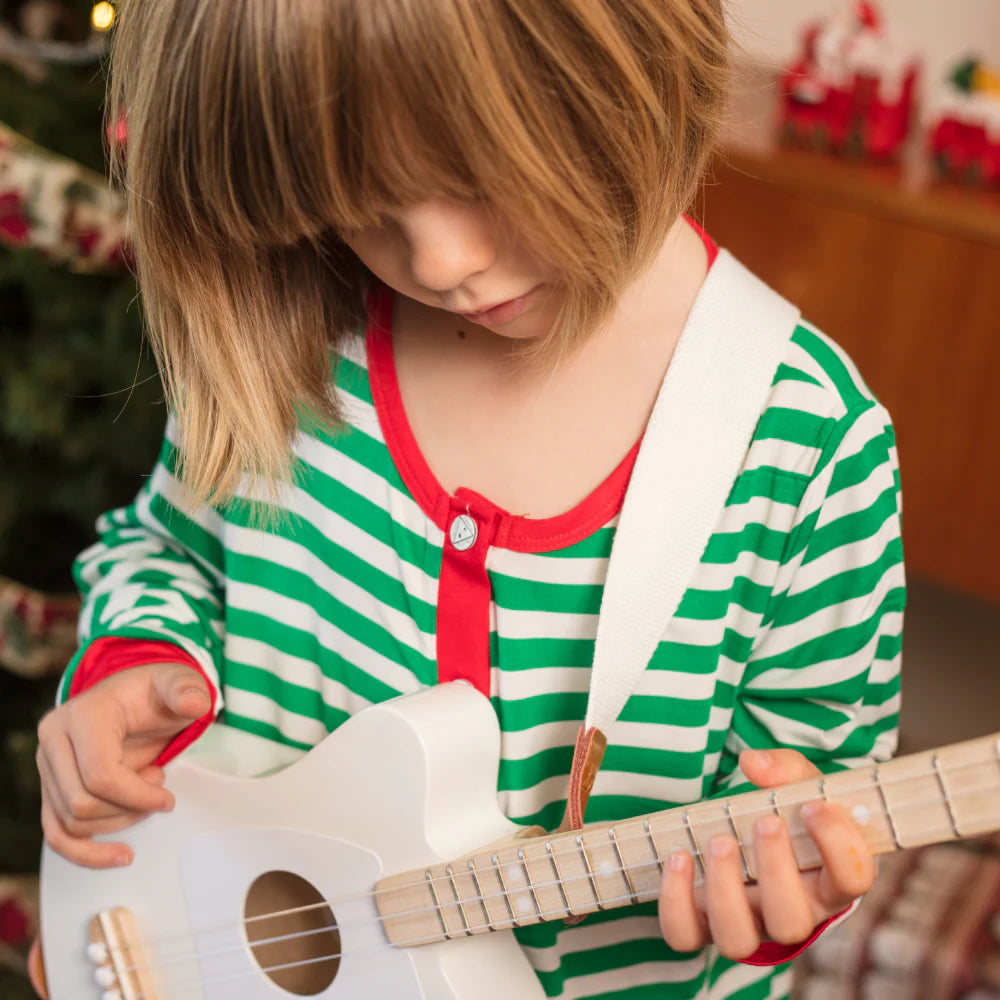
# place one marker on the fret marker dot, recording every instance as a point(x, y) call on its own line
point(524, 904)
point(607, 869)
point(514, 874)
point(861, 815)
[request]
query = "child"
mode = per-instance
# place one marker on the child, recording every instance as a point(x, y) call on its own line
point(473, 207)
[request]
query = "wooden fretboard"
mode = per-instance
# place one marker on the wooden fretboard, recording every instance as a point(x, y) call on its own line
point(923, 798)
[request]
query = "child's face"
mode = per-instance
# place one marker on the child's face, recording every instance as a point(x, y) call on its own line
point(456, 256)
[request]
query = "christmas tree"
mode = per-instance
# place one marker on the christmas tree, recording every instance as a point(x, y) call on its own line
point(81, 410)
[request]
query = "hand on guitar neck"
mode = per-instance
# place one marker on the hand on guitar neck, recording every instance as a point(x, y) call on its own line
point(97, 757)
point(785, 905)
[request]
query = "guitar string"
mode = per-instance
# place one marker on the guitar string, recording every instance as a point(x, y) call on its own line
point(544, 858)
point(482, 899)
point(505, 923)
point(574, 851)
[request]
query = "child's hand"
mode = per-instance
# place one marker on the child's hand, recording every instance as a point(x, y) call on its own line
point(785, 905)
point(96, 752)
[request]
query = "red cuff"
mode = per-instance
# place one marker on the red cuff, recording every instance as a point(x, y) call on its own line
point(110, 654)
point(772, 953)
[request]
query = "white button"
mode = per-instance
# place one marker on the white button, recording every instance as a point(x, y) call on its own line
point(463, 532)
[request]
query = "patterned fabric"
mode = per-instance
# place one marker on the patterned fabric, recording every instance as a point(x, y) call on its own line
point(37, 630)
point(789, 633)
point(59, 207)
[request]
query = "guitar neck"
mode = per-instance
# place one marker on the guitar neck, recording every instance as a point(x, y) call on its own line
point(923, 798)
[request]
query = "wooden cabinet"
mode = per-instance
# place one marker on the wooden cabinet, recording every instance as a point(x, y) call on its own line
point(906, 276)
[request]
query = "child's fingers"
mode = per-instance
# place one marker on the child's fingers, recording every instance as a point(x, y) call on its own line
point(730, 918)
point(81, 851)
point(61, 780)
point(785, 905)
point(769, 768)
point(681, 923)
point(848, 866)
point(104, 776)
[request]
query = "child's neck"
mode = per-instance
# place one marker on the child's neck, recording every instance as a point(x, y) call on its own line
point(537, 442)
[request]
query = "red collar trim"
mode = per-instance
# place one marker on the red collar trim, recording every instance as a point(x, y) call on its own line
point(513, 531)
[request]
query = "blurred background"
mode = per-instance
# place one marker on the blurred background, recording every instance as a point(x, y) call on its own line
point(860, 176)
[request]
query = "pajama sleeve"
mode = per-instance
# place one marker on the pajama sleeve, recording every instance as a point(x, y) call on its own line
point(155, 577)
point(823, 676)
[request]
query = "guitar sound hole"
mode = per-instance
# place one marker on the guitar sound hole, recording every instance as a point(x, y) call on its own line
point(285, 904)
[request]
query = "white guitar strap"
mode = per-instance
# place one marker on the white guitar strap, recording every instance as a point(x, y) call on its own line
point(695, 443)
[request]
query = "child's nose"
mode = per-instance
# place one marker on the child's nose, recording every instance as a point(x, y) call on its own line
point(449, 242)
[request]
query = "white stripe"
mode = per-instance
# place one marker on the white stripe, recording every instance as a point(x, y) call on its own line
point(548, 569)
point(785, 456)
point(523, 802)
point(737, 977)
point(291, 555)
point(781, 639)
point(363, 481)
point(586, 937)
point(641, 974)
point(298, 615)
point(373, 551)
point(545, 624)
point(296, 727)
point(294, 670)
point(792, 732)
point(520, 745)
point(517, 685)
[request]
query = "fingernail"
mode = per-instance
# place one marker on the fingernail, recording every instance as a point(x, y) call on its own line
point(678, 861)
point(810, 809)
point(768, 826)
point(122, 860)
point(763, 758)
point(721, 847)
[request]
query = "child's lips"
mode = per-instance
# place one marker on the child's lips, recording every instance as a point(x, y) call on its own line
point(503, 312)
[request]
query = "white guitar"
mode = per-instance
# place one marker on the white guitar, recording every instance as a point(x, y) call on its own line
point(357, 870)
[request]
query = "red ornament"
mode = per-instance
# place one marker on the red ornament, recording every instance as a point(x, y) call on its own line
point(14, 225)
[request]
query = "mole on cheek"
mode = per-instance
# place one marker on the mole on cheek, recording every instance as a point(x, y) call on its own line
point(461, 335)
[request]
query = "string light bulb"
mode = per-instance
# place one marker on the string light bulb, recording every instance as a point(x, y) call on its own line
point(102, 16)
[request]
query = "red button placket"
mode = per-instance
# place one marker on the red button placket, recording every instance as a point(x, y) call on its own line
point(463, 607)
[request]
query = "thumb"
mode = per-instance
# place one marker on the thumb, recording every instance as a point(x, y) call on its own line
point(770, 768)
point(182, 692)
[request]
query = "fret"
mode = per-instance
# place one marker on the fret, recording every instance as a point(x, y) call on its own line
point(973, 777)
point(927, 797)
point(578, 881)
point(414, 910)
point(787, 807)
point(854, 791)
point(936, 765)
point(699, 861)
point(590, 872)
point(467, 926)
point(547, 888)
point(481, 896)
point(429, 877)
point(540, 913)
point(739, 841)
point(743, 811)
point(608, 867)
point(633, 896)
point(505, 891)
point(657, 857)
point(558, 875)
point(885, 805)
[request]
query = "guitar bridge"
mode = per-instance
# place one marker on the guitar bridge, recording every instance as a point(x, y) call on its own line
point(121, 969)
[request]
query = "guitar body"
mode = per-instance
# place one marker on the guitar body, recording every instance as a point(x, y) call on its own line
point(402, 785)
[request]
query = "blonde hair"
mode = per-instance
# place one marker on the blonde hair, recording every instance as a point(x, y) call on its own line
point(258, 130)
